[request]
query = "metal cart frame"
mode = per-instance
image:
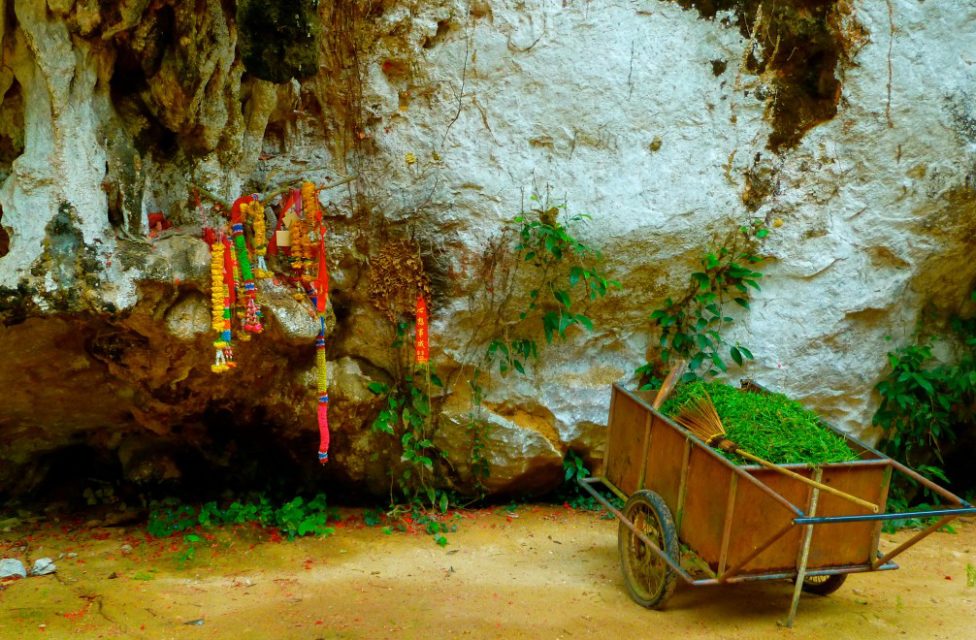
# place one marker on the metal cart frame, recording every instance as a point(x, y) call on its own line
point(745, 523)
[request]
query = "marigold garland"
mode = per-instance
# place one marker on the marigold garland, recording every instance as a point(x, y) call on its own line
point(220, 309)
point(233, 279)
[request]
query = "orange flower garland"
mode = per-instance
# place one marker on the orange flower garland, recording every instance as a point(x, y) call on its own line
point(220, 308)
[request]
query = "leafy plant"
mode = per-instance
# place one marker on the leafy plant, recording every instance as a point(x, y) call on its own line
point(574, 469)
point(574, 496)
point(293, 518)
point(407, 417)
point(478, 429)
point(300, 518)
point(692, 326)
point(189, 551)
point(925, 405)
point(562, 272)
point(970, 575)
point(919, 402)
point(171, 517)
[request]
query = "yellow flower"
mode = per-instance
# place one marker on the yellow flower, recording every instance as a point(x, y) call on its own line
point(410, 158)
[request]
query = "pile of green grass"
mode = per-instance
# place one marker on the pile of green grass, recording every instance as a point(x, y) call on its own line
point(770, 426)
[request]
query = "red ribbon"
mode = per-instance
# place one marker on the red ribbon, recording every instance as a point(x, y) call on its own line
point(422, 342)
point(229, 270)
point(322, 279)
point(235, 210)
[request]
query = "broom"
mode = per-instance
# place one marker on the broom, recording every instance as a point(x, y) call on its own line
point(669, 383)
point(701, 418)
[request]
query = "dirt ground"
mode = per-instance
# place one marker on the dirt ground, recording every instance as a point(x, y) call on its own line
point(539, 572)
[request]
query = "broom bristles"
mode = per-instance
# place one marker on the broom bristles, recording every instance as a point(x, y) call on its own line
point(701, 418)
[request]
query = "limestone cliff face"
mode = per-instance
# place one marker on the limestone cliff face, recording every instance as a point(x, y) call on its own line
point(669, 123)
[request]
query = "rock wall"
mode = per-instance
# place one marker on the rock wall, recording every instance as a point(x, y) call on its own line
point(847, 127)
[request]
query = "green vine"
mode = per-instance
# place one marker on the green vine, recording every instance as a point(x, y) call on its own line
point(692, 327)
point(539, 277)
point(564, 271)
point(477, 430)
point(406, 415)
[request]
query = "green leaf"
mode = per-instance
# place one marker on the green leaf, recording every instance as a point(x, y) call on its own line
point(550, 323)
point(377, 388)
point(762, 233)
point(565, 321)
point(563, 298)
point(925, 384)
point(586, 322)
point(443, 504)
point(701, 279)
point(717, 360)
point(736, 355)
point(575, 274)
point(745, 352)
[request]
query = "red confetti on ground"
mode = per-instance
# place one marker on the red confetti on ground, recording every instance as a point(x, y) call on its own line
point(74, 615)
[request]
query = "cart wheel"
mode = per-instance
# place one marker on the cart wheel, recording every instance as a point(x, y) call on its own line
point(823, 585)
point(650, 581)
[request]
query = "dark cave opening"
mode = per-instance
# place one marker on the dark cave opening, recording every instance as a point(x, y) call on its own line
point(218, 457)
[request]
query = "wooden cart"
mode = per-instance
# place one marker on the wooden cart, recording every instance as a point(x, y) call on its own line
point(691, 513)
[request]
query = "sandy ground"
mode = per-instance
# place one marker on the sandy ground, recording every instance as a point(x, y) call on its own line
point(540, 572)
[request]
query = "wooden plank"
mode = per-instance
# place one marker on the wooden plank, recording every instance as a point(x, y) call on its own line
point(848, 543)
point(727, 527)
point(758, 517)
point(602, 469)
point(662, 471)
point(625, 441)
point(706, 497)
point(832, 545)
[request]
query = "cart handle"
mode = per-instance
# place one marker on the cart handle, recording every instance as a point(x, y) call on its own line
point(968, 510)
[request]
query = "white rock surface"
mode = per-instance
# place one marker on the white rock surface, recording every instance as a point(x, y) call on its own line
point(876, 215)
point(611, 107)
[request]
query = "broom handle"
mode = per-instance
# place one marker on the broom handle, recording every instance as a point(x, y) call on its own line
point(670, 381)
point(813, 483)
